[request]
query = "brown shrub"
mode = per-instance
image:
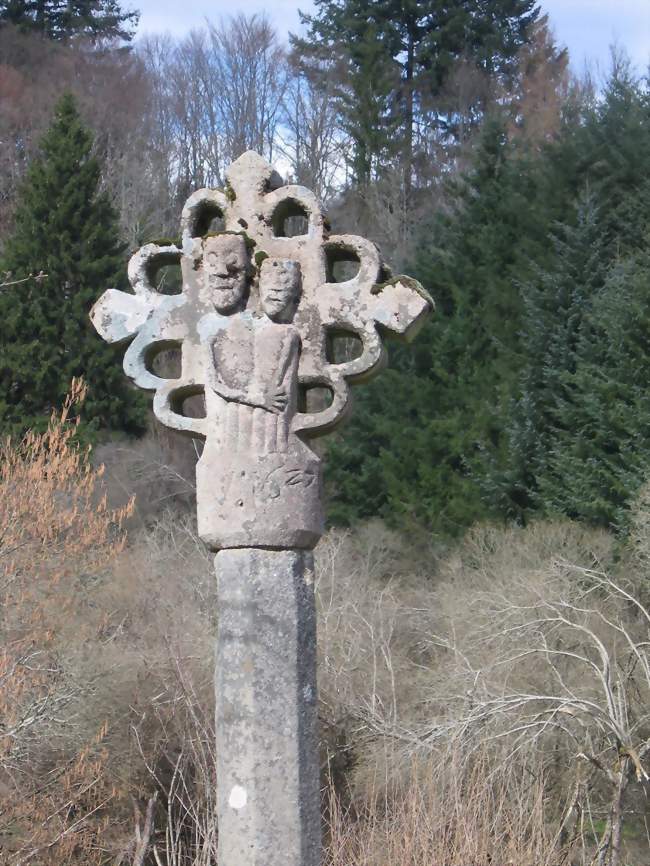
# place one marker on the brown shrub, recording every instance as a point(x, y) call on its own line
point(56, 537)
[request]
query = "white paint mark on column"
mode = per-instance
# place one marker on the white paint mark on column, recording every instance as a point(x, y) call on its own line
point(238, 797)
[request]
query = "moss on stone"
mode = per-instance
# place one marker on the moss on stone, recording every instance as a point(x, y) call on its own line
point(229, 192)
point(260, 256)
point(409, 282)
point(166, 242)
point(248, 240)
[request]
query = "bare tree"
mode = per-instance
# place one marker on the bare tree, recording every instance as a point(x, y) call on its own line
point(253, 77)
point(592, 637)
point(312, 139)
point(195, 93)
point(215, 94)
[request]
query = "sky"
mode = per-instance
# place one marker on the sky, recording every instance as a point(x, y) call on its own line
point(587, 27)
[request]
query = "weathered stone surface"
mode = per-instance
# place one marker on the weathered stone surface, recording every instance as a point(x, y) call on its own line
point(267, 750)
point(257, 483)
point(253, 322)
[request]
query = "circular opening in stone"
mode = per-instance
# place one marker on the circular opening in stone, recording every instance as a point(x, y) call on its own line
point(209, 219)
point(164, 358)
point(314, 398)
point(169, 280)
point(343, 263)
point(189, 401)
point(290, 219)
point(342, 345)
point(164, 272)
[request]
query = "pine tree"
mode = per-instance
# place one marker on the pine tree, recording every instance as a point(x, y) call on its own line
point(555, 303)
point(415, 440)
point(66, 229)
point(393, 58)
point(65, 19)
point(598, 455)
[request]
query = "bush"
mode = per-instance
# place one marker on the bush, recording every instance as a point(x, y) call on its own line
point(57, 536)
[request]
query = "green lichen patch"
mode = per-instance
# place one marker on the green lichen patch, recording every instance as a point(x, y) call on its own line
point(229, 192)
point(166, 242)
point(248, 240)
point(260, 256)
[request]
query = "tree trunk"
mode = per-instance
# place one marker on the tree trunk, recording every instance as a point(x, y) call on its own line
point(410, 120)
point(609, 849)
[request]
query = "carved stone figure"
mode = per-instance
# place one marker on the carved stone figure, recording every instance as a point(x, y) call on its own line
point(256, 481)
point(225, 271)
point(253, 322)
point(254, 367)
point(223, 276)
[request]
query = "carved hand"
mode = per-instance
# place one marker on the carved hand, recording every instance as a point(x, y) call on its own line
point(273, 399)
point(277, 400)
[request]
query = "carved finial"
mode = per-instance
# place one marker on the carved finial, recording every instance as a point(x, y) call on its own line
point(252, 171)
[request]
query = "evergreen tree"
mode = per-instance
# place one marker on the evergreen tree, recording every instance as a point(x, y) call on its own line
point(598, 455)
point(555, 302)
point(65, 19)
point(414, 440)
point(503, 391)
point(66, 229)
point(393, 58)
point(586, 457)
point(617, 151)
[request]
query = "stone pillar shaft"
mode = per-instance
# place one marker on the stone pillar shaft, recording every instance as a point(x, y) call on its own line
point(266, 725)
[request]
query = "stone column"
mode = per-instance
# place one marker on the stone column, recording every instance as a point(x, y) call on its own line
point(266, 709)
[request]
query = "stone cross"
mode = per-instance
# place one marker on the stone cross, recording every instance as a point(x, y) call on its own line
point(254, 322)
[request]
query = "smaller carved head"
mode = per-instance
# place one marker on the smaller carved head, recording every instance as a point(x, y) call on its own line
point(225, 270)
point(280, 283)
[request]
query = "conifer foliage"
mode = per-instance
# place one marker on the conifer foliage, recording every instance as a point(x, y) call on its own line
point(392, 60)
point(66, 231)
point(55, 19)
point(529, 393)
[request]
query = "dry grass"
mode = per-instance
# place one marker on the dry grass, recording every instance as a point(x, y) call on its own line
point(520, 652)
point(454, 817)
point(106, 744)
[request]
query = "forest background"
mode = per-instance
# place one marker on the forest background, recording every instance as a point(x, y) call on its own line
point(501, 460)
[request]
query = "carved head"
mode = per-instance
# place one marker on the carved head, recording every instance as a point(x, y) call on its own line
point(280, 283)
point(225, 270)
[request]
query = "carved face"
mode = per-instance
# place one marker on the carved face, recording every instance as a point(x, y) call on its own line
point(279, 287)
point(225, 262)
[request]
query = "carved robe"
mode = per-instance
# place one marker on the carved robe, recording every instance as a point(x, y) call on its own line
point(253, 357)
